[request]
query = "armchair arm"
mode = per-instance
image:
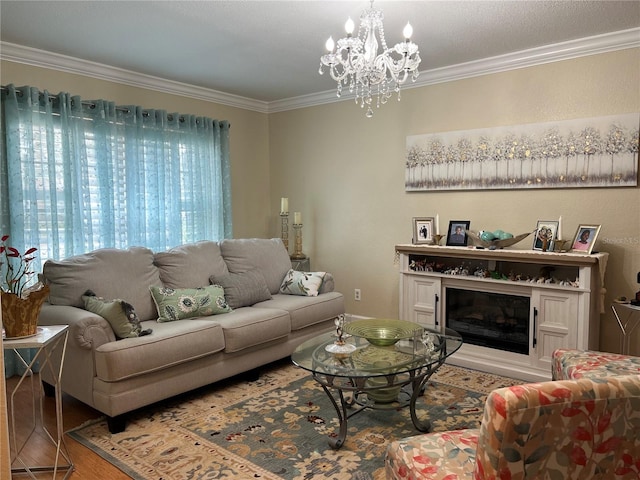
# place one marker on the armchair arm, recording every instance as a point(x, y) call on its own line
point(86, 329)
point(561, 429)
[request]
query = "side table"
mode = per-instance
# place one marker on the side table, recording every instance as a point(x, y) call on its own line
point(46, 341)
point(628, 317)
point(301, 265)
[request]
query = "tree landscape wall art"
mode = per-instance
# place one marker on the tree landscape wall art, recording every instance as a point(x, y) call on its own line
point(592, 152)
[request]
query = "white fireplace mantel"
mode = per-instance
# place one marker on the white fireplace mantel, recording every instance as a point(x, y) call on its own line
point(567, 312)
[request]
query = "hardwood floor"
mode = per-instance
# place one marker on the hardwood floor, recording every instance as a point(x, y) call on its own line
point(40, 451)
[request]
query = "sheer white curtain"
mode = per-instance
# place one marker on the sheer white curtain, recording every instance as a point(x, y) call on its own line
point(79, 175)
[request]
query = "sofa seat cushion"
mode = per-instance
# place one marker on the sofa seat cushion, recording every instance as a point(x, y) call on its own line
point(110, 273)
point(568, 364)
point(445, 455)
point(305, 311)
point(247, 327)
point(170, 344)
point(190, 265)
point(267, 255)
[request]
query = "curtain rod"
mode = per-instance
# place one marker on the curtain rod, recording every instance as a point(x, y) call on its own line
point(93, 105)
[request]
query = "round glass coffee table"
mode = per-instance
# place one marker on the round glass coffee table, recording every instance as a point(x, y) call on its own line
point(372, 376)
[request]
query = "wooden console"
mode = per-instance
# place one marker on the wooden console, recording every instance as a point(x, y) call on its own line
point(565, 291)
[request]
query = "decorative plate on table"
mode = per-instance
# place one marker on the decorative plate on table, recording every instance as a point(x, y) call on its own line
point(382, 332)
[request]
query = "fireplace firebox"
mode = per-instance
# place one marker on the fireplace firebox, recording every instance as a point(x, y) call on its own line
point(494, 320)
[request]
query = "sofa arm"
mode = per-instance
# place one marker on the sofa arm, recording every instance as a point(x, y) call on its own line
point(561, 429)
point(327, 284)
point(86, 329)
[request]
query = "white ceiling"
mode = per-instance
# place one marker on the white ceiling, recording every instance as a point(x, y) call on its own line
point(270, 50)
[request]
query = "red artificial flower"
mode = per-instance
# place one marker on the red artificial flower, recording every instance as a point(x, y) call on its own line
point(15, 267)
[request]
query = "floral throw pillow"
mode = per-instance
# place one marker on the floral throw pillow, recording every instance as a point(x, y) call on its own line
point(177, 304)
point(306, 284)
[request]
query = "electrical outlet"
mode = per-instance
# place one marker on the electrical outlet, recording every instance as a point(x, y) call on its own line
point(357, 294)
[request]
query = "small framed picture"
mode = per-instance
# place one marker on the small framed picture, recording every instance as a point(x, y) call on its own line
point(585, 238)
point(422, 230)
point(546, 233)
point(457, 233)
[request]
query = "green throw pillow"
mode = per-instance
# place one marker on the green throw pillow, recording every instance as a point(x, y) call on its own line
point(302, 283)
point(243, 289)
point(118, 313)
point(176, 304)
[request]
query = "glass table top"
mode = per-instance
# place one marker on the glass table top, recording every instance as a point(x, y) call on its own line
point(366, 360)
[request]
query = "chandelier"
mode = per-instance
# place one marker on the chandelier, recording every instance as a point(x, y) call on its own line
point(356, 62)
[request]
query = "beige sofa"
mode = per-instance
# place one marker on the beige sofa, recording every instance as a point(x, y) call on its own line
point(116, 376)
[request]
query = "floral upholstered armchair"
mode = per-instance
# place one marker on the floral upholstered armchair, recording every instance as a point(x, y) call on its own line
point(570, 364)
point(571, 429)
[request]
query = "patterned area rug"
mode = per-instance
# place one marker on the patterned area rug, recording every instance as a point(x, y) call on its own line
point(277, 428)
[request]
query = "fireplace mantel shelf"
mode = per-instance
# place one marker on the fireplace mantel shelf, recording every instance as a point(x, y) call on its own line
point(529, 256)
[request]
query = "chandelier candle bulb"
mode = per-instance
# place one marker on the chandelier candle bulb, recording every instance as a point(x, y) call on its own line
point(330, 45)
point(407, 32)
point(349, 26)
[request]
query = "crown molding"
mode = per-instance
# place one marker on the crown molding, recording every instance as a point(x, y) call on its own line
point(608, 42)
point(41, 58)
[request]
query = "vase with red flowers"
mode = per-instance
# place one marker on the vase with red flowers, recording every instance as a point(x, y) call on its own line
point(21, 303)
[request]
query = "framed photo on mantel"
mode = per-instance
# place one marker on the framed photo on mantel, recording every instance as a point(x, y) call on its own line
point(457, 233)
point(585, 239)
point(422, 230)
point(546, 233)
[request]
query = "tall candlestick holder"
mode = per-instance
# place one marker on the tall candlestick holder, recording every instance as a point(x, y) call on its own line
point(437, 238)
point(297, 249)
point(284, 232)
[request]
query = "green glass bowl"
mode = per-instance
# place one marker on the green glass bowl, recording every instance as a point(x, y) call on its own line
point(382, 332)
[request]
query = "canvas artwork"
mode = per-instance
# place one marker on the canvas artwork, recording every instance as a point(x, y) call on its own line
point(593, 152)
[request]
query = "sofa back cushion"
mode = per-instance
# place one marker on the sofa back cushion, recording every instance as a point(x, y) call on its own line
point(190, 265)
point(266, 255)
point(110, 273)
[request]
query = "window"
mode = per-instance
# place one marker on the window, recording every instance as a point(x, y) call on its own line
point(76, 176)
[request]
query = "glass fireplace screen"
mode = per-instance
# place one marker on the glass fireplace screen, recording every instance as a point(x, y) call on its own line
point(494, 320)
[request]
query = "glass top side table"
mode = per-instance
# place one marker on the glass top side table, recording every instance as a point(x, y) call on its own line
point(628, 318)
point(49, 341)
